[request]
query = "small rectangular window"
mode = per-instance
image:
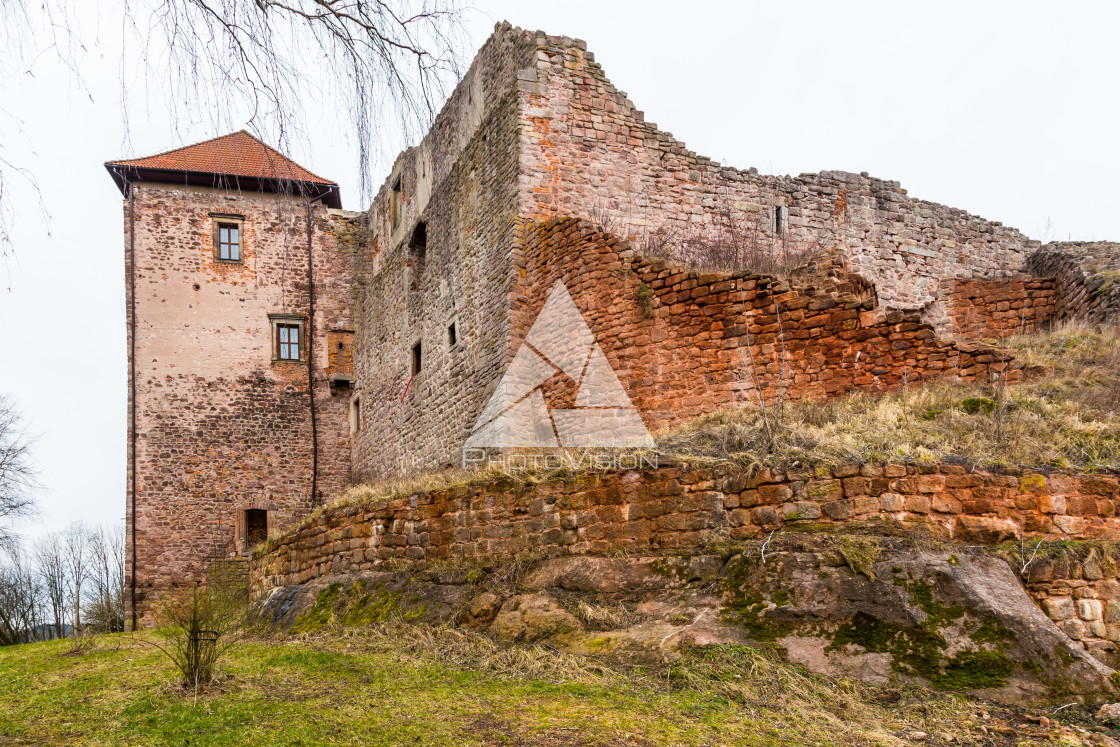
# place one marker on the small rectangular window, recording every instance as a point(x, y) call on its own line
point(395, 199)
point(289, 342)
point(417, 358)
point(452, 335)
point(229, 242)
point(778, 223)
point(355, 414)
point(287, 337)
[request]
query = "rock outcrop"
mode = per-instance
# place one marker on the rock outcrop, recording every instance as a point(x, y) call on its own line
point(869, 607)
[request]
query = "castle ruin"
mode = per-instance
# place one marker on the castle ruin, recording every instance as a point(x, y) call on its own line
point(282, 349)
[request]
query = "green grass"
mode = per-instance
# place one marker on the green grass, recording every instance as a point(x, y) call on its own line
point(418, 685)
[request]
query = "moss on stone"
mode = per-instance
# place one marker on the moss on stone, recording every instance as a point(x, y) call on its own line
point(920, 652)
point(860, 553)
point(975, 670)
point(747, 604)
point(938, 615)
point(358, 605)
point(991, 631)
point(974, 405)
point(321, 612)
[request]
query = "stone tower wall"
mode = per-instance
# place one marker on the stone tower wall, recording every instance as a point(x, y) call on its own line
point(221, 426)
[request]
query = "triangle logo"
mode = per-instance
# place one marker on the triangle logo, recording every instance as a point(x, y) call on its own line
point(518, 416)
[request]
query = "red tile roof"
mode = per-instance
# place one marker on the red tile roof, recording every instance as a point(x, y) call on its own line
point(237, 154)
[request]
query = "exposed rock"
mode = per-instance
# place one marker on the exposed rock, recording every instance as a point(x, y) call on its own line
point(1109, 713)
point(944, 616)
point(481, 610)
point(533, 617)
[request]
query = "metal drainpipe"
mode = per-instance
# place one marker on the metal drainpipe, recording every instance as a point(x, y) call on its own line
point(132, 387)
point(311, 358)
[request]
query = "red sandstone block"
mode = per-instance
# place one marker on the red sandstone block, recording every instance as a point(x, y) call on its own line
point(772, 494)
point(917, 504)
point(931, 483)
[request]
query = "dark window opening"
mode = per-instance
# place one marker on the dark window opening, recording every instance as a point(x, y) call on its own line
point(287, 342)
point(417, 358)
point(395, 198)
point(452, 335)
point(418, 246)
point(256, 526)
point(778, 219)
point(229, 242)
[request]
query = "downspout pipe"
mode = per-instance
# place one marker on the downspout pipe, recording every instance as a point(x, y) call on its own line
point(311, 357)
point(132, 393)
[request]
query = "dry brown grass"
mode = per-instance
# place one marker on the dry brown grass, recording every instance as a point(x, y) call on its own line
point(827, 710)
point(1066, 415)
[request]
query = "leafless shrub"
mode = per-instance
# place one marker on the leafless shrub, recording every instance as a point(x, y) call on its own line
point(198, 628)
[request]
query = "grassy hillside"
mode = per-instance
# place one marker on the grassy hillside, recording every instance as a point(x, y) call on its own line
point(396, 684)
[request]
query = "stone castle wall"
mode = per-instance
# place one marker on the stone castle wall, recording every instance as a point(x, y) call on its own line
point(460, 182)
point(682, 343)
point(1086, 278)
point(995, 309)
point(588, 152)
point(221, 426)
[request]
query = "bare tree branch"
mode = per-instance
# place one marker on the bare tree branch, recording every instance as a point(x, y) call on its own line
point(17, 476)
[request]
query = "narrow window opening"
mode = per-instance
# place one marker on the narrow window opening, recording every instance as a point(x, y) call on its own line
point(452, 335)
point(355, 414)
point(778, 219)
point(417, 358)
point(256, 526)
point(418, 247)
point(395, 195)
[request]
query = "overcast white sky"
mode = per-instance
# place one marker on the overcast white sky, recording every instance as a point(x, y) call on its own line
point(1009, 110)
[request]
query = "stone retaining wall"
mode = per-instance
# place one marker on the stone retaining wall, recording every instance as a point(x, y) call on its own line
point(683, 508)
point(1081, 595)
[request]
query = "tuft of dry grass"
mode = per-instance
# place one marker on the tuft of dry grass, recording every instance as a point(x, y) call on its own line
point(1065, 415)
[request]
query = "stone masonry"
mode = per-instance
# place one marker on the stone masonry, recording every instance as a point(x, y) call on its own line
point(537, 170)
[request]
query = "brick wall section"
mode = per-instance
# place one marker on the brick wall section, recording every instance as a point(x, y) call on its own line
point(683, 508)
point(1086, 277)
point(221, 426)
point(588, 152)
point(691, 354)
point(995, 309)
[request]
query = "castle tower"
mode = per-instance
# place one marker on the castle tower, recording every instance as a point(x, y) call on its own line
point(237, 278)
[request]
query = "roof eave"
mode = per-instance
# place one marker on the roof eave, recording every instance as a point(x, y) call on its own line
point(124, 174)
